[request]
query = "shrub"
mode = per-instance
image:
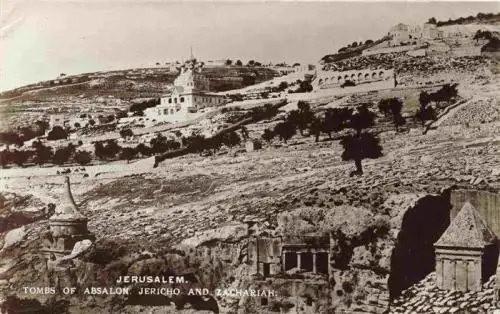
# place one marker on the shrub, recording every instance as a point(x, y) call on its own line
point(63, 154)
point(57, 133)
point(82, 157)
point(268, 135)
point(128, 153)
point(11, 138)
point(126, 133)
point(143, 150)
point(285, 130)
point(42, 153)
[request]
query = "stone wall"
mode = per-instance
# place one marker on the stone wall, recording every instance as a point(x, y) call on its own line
point(328, 79)
point(368, 52)
point(486, 203)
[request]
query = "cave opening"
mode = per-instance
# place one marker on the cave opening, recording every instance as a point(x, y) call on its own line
point(290, 260)
point(322, 263)
point(306, 262)
point(413, 256)
point(490, 261)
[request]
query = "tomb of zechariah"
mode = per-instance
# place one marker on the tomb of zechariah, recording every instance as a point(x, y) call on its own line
point(67, 227)
point(189, 95)
point(463, 251)
point(467, 253)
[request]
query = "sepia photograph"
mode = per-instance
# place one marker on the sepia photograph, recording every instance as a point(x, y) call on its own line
point(234, 157)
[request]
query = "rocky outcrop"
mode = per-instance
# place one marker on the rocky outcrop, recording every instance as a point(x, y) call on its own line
point(425, 297)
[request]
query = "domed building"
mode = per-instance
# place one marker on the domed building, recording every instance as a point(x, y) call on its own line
point(189, 95)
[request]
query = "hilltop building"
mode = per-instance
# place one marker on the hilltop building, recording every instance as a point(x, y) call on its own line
point(431, 32)
point(189, 95)
point(404, 34)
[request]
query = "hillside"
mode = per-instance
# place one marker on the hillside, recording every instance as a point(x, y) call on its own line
point(106, 93)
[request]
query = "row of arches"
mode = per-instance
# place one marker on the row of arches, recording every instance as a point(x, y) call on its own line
point(361, 76)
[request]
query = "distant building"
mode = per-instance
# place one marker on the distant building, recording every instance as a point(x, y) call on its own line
point(401, 34)
point(217, 63)
point(431, 32)
point(173, 66)
point(57, 120)
point(304, 68)
point(189, 95)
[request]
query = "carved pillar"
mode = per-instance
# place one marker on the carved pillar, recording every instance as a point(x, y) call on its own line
point(299, 259)
point(461, 276)
point(283, 258)
point(314, 262)
point(448, 274)
point(439, 272)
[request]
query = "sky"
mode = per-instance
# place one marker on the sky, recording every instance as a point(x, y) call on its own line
point(39, 39)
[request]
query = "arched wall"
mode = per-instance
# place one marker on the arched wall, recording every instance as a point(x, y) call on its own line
point(329, 79)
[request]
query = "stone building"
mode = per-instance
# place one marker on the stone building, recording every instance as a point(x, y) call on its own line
point(329, 79)
point(265, 255)
point(431, 32)
point(298, 264)
point(189, 95)
point(306, 253)
point(57, 120)
point(464, 251)
point(67, 227)
point(402, 34)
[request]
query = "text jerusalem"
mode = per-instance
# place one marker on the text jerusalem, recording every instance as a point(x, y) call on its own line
point(151, 279)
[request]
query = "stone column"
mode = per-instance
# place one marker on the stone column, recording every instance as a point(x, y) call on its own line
point(314, 262)
point(299, 259)
point(439, 273)
point(448, 274)
point(283, 258)
point(474, 275)
point(461, 276)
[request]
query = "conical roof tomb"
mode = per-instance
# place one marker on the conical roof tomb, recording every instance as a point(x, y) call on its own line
point(467, 230)
point(67, 208)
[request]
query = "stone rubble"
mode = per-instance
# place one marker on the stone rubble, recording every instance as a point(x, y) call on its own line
point(425, 297)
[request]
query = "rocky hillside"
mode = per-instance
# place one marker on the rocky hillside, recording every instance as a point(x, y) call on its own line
point(193, 216)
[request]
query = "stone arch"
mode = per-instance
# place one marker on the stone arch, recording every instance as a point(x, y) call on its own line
point(360, 76)
point(367, 76)
point(353, 76)
point(332, 79)
point(320, 82)
point(326, 80)
point(346, 77)
point(374, 75)
point(381, 74)
point(339, 78)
